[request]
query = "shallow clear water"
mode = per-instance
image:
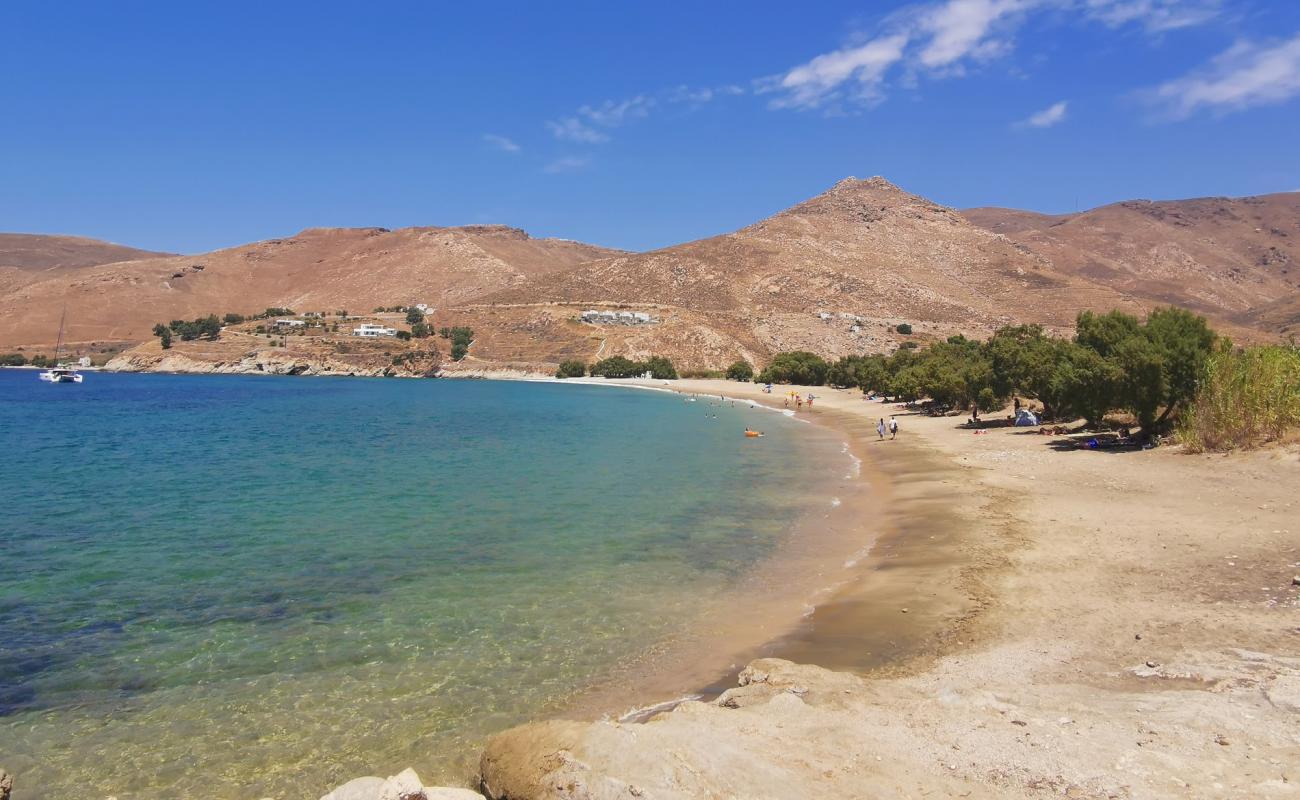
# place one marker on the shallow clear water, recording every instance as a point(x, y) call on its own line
point(247, 586)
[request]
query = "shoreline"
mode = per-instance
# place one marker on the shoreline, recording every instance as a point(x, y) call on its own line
point(854, 608)
point(1126, 629)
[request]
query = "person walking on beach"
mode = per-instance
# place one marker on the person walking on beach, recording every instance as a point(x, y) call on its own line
point(893, 428)
point(880, 429)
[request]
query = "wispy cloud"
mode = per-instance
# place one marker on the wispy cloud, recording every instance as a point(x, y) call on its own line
point(572, 129)
point(566, 164)
point(611, 114)
point(591, 124)
point(946, 39)
point(1154, 15)
point(812, 83)
point(1247, 74)
point(1046, 118)
point(501, 143)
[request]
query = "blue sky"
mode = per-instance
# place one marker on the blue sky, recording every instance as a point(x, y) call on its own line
point(192, 126)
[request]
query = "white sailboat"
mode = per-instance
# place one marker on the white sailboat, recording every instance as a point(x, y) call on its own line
point(60, 372)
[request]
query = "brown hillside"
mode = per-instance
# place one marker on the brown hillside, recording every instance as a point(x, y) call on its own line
point(864, 248)
point(1220, 256)
point(317, 269)
point(34, 251)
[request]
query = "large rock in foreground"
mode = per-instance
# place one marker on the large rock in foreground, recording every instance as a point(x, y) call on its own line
point(787, 731)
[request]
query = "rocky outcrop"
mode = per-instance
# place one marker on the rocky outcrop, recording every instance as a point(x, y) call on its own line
point(272, 361)
point(405, 785)
point(6, 784)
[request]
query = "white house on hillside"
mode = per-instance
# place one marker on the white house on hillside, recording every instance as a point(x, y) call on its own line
point(289, 323)
point(372, 331)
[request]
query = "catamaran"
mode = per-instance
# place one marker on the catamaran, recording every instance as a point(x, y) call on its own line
point(61, 373)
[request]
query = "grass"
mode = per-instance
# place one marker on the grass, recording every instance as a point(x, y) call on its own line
point(1247, 398)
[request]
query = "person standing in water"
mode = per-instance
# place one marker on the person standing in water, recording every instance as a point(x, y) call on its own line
point(893, 428)
point(880, 429)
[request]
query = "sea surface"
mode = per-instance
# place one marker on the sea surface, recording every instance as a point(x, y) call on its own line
point(246, 586)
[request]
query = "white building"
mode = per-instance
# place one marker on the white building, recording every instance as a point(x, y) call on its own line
point(424, 308)
point(597, 317)
point(824, 315)
point(289, 323)
point(372, 331)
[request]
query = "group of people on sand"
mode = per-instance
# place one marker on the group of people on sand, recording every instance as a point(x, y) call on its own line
point(892, 427)
point(799, 400)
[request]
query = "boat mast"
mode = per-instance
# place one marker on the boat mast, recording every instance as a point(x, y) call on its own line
point(58, 345)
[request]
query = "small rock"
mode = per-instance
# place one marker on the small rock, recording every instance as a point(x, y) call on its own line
point(904, 610)
point(1137, 636)
point(1221, 739)
point(1295, 581)
point(1019, 722)
point(357, 789)
point(405, 785)
point(1153, 664)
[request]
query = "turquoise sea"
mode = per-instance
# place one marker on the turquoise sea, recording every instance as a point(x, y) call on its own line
point(245, 586)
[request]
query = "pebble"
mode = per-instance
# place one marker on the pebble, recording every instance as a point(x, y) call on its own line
point(1153, 664)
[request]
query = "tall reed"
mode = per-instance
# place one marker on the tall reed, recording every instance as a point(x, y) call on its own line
point(1246, 398)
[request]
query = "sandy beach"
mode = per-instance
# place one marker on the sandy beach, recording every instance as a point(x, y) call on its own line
point(1030, 622)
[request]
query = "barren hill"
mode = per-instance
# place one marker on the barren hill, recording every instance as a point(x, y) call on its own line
point(1220, 256)
point(317, 269)
point(866, 253)
point(35, 251)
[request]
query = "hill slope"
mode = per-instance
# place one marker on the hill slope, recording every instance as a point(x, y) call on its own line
point(1219, 256)
point(317, 269)
point(35, 251)
point(864, 249)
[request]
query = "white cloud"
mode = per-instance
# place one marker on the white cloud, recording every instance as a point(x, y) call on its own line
point(501, 143)
point(965, 28)
point(611, 114)
point(941, 39)
point(1155, 15)
point(1245, 75)
point(1047, 117)
point(573, 129)
point(566, 164)
point(695, 97)
point(812, 83)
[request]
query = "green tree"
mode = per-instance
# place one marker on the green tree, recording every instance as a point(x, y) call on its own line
point(571, 368)
point(414, 316)
point(616, 367)
point(404, 335)
point(232, 318)
point(740, 371)
point(660, 368)
point(798, 366)
point(164, 335)
point(12, 360)
point(904, 328)
point(1185, 342)
point(420, 330)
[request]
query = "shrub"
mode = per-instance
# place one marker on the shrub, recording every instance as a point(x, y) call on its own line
point(740, 371)
point(404, 335)
point(164, 335)
point(795, 367)
point(277, 312)
point(904, 328)
point(414, 316)
point(660, 368)
point(1246, 398)
point(12, 360)
point(419, 330)
point(232, 318)
point(616, 367)
point(572, 368)
point(41, 361)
